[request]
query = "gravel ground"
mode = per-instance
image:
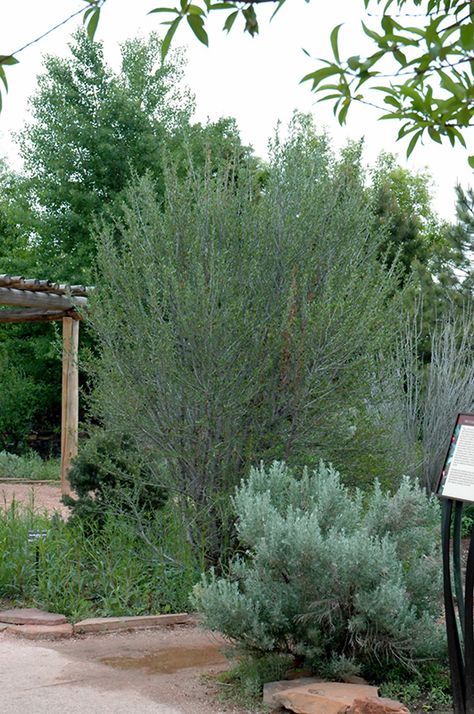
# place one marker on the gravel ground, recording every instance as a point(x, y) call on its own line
point(147, 672)
point(129, 673)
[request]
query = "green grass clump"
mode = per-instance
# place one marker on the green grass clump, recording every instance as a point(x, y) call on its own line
point(427, 689)
point(110, 571)
point(28, 466)
point(242, 685)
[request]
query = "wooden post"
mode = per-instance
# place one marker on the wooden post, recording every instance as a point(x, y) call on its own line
point(70, 399)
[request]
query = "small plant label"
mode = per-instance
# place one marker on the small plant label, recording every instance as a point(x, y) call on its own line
point(34, 536)
point(457, 477)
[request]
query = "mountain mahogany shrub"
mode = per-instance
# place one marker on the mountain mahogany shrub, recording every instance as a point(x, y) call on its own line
point(343, 580)
point(236, 323)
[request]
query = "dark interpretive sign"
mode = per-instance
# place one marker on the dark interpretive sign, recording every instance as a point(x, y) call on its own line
point(457, 477)
point(456, 487)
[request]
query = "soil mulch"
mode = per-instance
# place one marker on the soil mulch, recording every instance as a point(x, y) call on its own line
point(40, 497)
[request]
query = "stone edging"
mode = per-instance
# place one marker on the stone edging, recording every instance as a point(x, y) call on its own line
point(124, 624)
point(35, 624)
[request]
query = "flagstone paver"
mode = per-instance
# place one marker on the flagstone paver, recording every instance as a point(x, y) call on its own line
point(41, 632)
point(31, 616)
point(323, 698)
point(142, 622)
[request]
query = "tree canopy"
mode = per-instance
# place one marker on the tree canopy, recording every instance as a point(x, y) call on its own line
point(82, 112)
point(92, 130)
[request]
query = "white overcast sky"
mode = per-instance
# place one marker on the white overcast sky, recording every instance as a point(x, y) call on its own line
point(254, 80)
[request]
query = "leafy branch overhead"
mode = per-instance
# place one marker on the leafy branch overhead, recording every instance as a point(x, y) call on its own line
point(422, 70)
point(419, 73)
point(90, 17)
point(5, 60)
point(196, 16)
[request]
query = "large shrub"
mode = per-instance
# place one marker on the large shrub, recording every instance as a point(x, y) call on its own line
point(18, 405)
point(345, 582)
point(236, 323)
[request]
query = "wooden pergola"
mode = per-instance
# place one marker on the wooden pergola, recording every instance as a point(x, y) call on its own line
point(44, 301)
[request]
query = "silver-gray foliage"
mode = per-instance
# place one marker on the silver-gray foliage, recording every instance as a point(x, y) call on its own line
point(239, 321)
point(343, 580)
point(421, 400)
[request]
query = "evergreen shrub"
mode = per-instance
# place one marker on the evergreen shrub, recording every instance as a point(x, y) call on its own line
point(344, 582)
point(109, 472)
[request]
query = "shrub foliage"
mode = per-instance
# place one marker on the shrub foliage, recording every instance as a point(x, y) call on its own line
point(347, 582)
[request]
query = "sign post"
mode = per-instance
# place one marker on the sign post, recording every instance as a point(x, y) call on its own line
point(456, 487)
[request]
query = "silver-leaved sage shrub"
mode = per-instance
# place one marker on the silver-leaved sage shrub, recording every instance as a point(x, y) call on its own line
point(337, 578)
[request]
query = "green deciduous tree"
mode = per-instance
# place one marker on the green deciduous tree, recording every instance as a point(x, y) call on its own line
point(91, 130)
point(15, 217)
point(401, 202)
point(30, 367)
point(450, 263)
point(18, 404)
point(433, 255)
point(30, 382)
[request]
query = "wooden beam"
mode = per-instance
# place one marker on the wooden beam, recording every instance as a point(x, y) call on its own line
point(47, 301)
point(32, 315)
point(70, 399)
point(9, 281)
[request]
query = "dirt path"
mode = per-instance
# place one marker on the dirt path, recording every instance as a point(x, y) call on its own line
point(39, 496)
point(157, 672)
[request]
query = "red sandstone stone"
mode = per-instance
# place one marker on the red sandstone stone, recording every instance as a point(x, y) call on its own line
point(31, 616)
point(41, 632)
point(323, 698)
point(270, 689)
point(353, 679)
point(377, 705)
